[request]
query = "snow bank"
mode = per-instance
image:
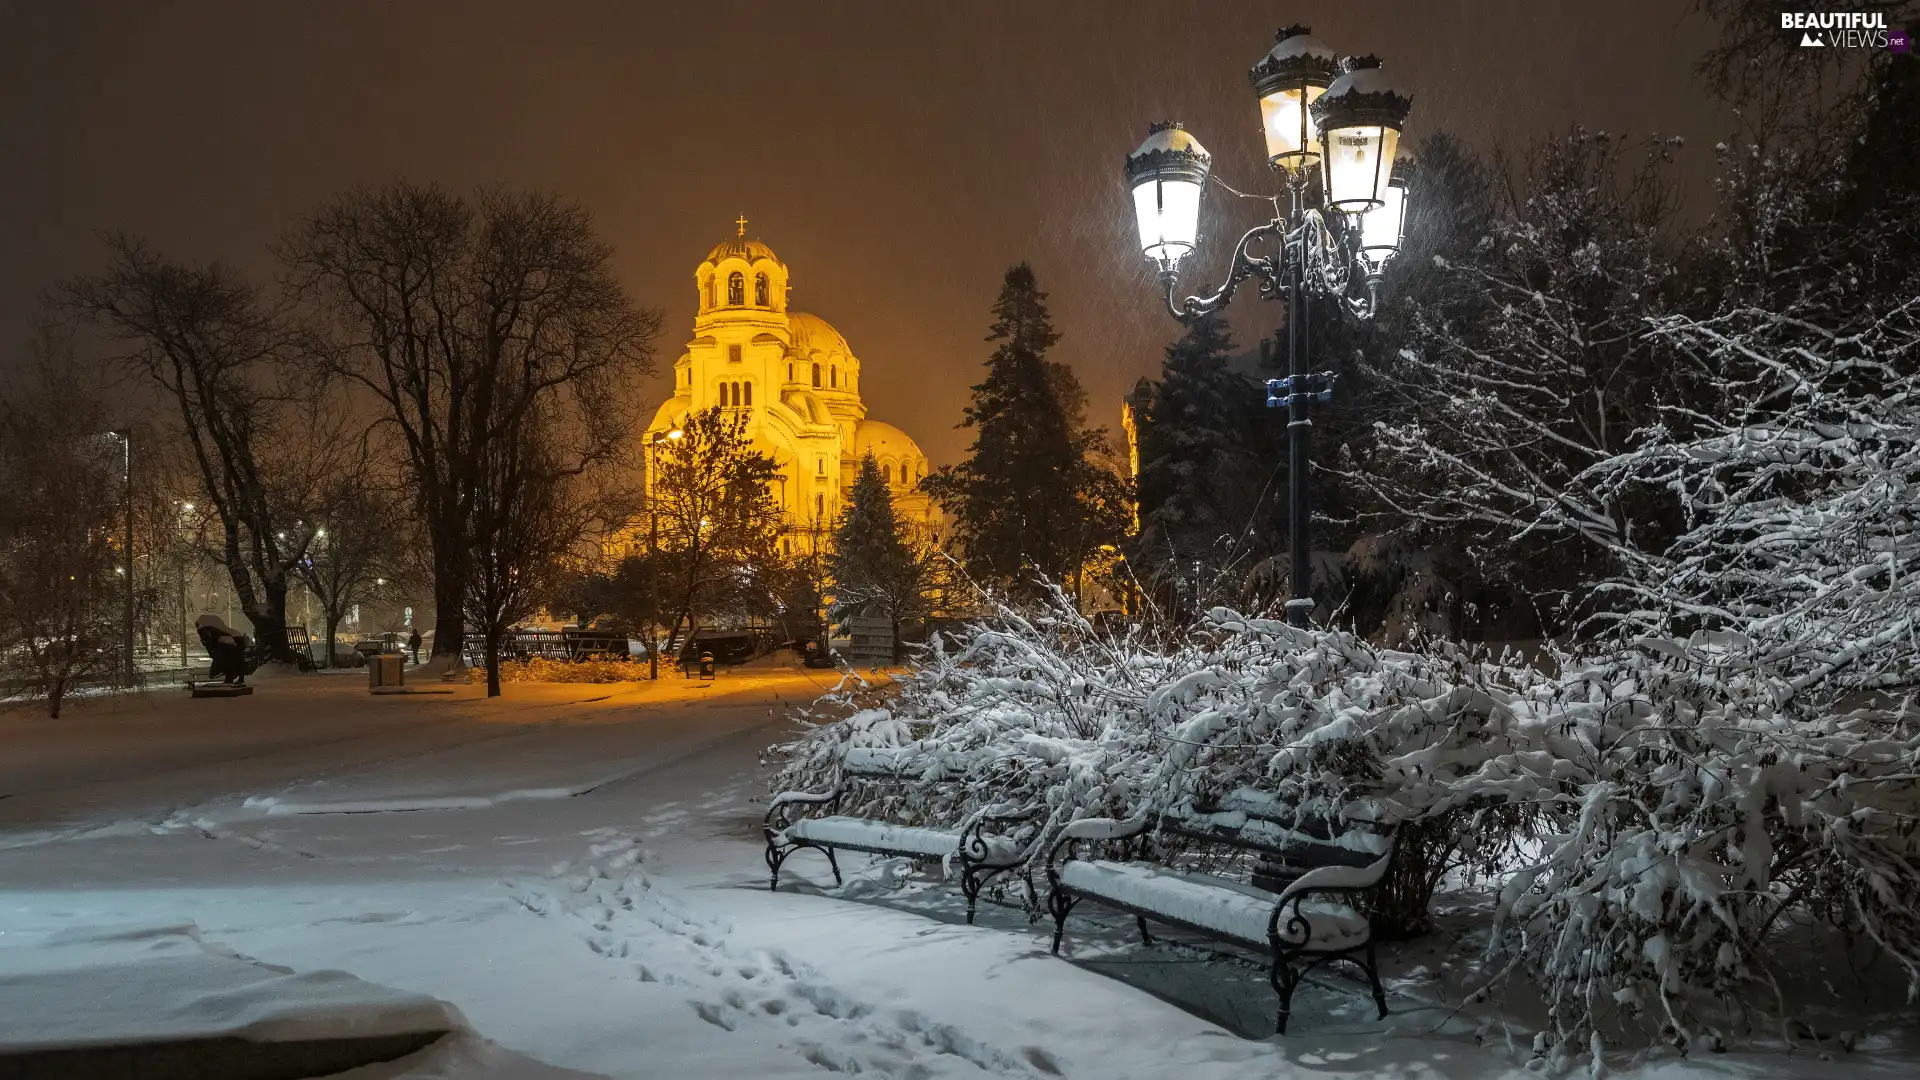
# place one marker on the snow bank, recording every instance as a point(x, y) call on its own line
point(159, 984)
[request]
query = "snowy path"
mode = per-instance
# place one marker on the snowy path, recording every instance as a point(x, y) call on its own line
point(578, 872)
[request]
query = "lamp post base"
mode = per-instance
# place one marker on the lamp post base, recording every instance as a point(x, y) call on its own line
point(1299, 609)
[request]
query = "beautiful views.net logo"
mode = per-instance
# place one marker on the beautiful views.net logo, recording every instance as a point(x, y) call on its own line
point(1845, 30)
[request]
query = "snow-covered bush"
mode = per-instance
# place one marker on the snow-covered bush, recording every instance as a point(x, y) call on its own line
point(545, 669)
point(1653, 815)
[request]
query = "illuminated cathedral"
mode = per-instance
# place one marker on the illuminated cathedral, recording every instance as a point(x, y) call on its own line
point(797, 381)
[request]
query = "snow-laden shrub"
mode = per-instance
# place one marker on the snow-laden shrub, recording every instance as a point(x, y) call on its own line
point(1654, 815)
point(546, 669)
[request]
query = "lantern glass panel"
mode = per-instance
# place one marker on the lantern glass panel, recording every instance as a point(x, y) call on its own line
point(1358, 163)
point(1284, 118)
point(1168, 212)
point(1382, 227)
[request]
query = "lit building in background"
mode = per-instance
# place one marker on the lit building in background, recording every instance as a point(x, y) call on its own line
point(797, 381)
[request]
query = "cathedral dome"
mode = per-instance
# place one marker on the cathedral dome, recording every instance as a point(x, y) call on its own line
point(890, 447)
point(813, 334)
point(741, 248)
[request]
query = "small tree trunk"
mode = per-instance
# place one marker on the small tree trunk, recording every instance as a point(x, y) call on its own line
point(56, 691)
point(449, 625)
point(271, 632)
point(333, 625)
point(493, 662)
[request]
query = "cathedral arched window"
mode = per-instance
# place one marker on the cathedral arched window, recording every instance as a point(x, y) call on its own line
point(760, 289)
point(820, 465)
point(835, 375)
point(736, 288)
point(789, 371)
point(819, 508)
point(886, 474)
point(710, 285)
point(747, 388)
point(816, 376)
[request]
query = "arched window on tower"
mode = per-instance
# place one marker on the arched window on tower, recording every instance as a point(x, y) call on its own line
point(835, 375)
point(736, 288)
point(789, 371)
point(886, 474)
point(747, 388)
point(819, 508)
point(710, 285)
point(760, 289)
point(816, 376)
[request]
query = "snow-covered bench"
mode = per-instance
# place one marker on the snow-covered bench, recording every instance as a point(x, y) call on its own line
point(1324, 875)
point(981, 848)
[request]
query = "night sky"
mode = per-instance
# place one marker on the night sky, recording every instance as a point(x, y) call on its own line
point(898, 156)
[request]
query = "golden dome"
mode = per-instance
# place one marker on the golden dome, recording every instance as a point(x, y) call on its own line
point(813, 334)
point(750, 250)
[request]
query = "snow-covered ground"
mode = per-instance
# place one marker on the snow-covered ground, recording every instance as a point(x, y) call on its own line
point(577, 872)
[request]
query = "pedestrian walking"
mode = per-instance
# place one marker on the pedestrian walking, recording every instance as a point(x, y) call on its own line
point(413, 646)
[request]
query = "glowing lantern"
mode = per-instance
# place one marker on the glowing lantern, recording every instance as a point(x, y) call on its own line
point(1289, 79)
point(1384, 227)
point(1166, 174)
point(1360, 117)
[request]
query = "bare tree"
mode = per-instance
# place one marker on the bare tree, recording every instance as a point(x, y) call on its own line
point(719, 526)
point(210, 342)
point(354, 540)
point(1533, 363)
point(61, 505)
point(463, 318)
point(531, 510)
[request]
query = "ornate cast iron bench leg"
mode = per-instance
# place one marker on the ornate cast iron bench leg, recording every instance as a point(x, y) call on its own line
point(775, 857)
point(1061, 904)
point(1373, 976)
point(1283, 980)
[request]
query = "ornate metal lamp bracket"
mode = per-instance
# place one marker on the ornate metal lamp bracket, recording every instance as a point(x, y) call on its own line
point(1244, 265)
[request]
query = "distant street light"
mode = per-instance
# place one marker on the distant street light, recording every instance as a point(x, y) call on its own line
point(1337, 121)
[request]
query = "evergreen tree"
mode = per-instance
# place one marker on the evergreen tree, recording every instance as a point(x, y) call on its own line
point(876, 571)
point(1199, 467)
point(1031, 497)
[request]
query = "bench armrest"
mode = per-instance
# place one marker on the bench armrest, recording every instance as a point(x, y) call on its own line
point(974, 844)
point(1338, 879)
point(1298, 924)
point(1076, 833)
point(782, 808)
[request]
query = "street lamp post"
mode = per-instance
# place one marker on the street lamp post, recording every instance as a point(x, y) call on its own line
point(1335, 121)
point(126, 640)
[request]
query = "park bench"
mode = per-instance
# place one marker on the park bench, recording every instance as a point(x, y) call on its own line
point(980, 849)
point(1306, 904)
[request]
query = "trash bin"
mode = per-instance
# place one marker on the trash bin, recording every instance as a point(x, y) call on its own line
point(384, 669)
point(706, 667)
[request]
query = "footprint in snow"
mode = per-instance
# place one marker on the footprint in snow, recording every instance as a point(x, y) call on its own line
point(713, 1014)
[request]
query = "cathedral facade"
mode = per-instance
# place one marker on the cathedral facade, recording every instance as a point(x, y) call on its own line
point(797, 382)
